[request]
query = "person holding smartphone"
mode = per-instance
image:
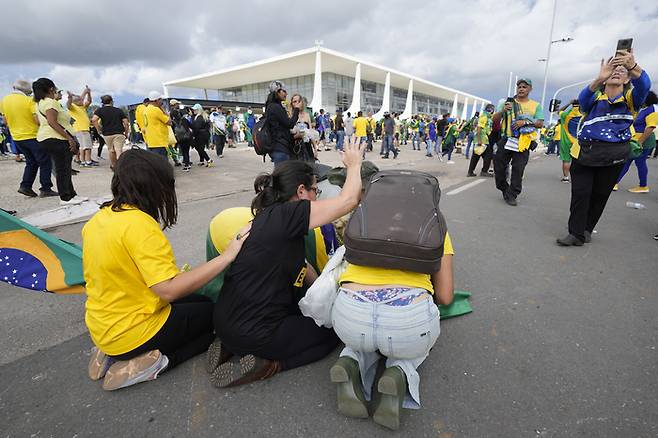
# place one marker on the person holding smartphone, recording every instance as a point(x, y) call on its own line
point(609, 105)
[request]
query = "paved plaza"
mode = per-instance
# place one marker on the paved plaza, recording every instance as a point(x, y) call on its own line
point(561, 341)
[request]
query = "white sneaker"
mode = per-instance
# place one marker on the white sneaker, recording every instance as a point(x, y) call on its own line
point(451, 162)
point(143, 368)
point(76, 200)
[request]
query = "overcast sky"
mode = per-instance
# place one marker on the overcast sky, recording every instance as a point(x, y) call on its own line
point(128, 47)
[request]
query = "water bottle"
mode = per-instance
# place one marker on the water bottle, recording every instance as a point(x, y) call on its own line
point(635, 205)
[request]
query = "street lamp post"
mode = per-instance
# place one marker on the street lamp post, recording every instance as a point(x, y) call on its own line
point(551, 41)
point(550, 121)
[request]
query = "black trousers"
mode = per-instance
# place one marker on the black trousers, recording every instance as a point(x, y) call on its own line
point(299, 341)
point(62, 156)
point(184, 148)
point(187, 332)
point(501, 162)
point(590, 190)
point(201, 140)
point(487, 155)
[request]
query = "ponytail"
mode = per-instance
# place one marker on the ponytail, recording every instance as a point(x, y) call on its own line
point(281, 185)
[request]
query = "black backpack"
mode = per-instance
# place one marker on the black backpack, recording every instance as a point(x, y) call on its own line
point(398, 224)
point(182, 132)
point(262, 137)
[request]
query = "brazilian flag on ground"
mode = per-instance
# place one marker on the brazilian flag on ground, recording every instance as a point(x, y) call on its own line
point(35, 260)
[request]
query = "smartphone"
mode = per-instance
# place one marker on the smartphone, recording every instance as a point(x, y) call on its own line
point(510, 99)
point(624, 44)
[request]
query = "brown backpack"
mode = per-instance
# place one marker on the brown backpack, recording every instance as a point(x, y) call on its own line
point(398, 224)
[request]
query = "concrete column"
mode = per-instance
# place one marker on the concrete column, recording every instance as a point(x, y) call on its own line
point(453, 113)
point(355, 106)
point(205, 93)
point(386, 103)
point(316, 102)
point(482, 107)
point(165, 91)
point(475, 108)
point(408, 107)
point(465, 109)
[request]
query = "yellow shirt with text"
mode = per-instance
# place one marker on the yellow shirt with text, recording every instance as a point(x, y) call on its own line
point(124, 253)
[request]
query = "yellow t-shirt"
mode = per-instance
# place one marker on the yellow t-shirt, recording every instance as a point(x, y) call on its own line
point(558, 132)
point(81, 122)
point(124, 254)
point(155, 122)
point(19, 111)
point(360, 124)
point(381, 276)
point(139, 116)
point(63, 118)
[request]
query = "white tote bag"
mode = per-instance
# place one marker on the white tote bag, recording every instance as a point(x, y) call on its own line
point(320, 297)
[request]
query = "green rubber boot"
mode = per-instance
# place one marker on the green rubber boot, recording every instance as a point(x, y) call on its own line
point(351, 402)
point(392, 386)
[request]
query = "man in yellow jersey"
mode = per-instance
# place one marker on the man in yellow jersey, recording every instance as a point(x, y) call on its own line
point(77, 106)
point(20, 114)
point(156, 122)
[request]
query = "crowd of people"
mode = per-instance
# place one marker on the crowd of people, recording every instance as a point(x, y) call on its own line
point(145, 316)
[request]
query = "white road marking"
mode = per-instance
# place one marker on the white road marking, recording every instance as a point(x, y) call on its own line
point(465, 187)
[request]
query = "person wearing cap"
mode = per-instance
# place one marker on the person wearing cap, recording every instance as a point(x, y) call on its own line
point(482, 137)
point(113, 124)
point(520, 117)
point(156, 123)
point(280, 123)
point(19, 111)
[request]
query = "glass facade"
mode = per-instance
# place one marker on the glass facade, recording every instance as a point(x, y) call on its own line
point(337, 93)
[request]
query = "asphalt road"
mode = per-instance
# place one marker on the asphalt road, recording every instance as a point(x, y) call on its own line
point(561, 343)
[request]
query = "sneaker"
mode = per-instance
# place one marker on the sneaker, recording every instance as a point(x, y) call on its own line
point(249, 369)
point(655, 237)
point(76, 200)
point(615, 187)
point(327, 148)
point(142, 368)
point(510, 201)
point(429, 155)
point(202, 163)
point(74, 172)
point(639, 189)
point(85, 164)
point(569, 240)
point(94, 163)
point(451, 162)
point(210, 164)
point(588, 236)
point(47, 193)
point(76, 161)
point(186, 168)
point(99, 363)
point(27, 192)
point(216, 356)
point(440, 158)
point(565, 179)
point(470, 174)
point(486, 174)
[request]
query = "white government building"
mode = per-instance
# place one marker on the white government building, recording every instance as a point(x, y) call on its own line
point(333, 81)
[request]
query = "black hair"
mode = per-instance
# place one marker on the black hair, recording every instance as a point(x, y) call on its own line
point(106, 99)
point(651, 99)
point(146, 100)
point(281, 185)
point(41, 87)
point(359, 114)
point(145, 180)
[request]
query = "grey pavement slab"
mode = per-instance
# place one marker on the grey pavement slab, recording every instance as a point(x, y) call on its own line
point(561, 343)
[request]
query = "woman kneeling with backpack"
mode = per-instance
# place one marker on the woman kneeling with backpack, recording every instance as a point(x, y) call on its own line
point(390, 306)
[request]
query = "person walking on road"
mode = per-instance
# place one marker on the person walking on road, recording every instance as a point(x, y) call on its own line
point(156, 123)
point(113, 124)
point(483, 146)
point(520, 117)
point(604, 141)
point(19, 111)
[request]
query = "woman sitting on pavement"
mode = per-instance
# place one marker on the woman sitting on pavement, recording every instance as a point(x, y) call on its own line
point(138, 311)
point(392, 313)
point(256, 315)
point(609, 106)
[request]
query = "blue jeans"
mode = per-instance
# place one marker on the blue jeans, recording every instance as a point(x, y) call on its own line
point(340, 140)
point(468, 144)
point(35, 159)
point(641, 164)
point(279, 157)
point(430, 146)
point(553, 147)
point(387, 144)
point(404, 334)
point(415, 141)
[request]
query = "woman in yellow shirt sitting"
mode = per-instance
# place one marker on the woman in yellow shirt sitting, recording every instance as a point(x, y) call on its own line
point(138, 311)
point(393, 313)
